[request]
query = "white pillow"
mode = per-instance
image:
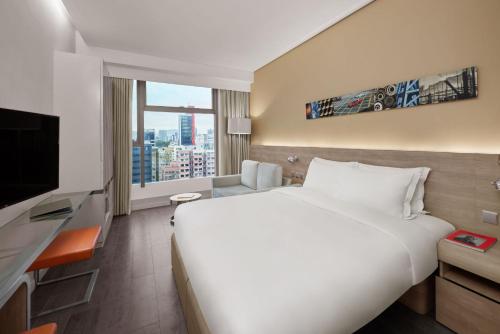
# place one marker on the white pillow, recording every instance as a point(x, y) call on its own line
point(249, 173)
point(417, 202)
point(387, 192)
point(390, 193)
point(320, 173)
point(336, 163)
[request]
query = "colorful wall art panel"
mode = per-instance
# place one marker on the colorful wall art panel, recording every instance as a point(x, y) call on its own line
point(451, 86)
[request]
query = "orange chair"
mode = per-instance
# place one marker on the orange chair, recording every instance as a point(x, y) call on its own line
point(44, 329)
point(68, 247)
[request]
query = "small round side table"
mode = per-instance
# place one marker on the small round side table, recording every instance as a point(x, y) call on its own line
point(183, 198)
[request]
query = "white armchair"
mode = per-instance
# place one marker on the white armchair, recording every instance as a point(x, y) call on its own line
point(255, 177)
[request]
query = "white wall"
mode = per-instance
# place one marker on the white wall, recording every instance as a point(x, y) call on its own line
point(172, 187)
point(30, 30)
point(129, 65)
point(158, 193)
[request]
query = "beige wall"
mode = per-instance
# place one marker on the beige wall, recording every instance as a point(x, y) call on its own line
point(387, 41)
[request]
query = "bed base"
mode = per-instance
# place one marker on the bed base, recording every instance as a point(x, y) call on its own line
point(419, 298)
point(195, 322)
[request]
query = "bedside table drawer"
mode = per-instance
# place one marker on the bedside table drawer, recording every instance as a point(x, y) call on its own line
point(465, 311)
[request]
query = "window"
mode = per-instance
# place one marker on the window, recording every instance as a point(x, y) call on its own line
point(168, 95)
point(175, 132)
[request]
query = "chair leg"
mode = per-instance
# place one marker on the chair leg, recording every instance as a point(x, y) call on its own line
point(86, 298)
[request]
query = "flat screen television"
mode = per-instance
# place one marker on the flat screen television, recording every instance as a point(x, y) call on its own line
point(29, 155)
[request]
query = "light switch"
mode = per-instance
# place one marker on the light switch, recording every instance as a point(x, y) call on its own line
point(489, 217)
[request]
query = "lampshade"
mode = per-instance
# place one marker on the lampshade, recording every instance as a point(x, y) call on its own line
point(241, 126)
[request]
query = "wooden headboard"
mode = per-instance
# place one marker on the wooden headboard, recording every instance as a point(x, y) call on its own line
point(457, 189)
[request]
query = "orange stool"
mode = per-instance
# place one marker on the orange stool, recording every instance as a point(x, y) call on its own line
point(68, 247)
point(44, 329)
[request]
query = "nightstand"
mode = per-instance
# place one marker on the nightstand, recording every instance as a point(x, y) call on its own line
point(468, 289)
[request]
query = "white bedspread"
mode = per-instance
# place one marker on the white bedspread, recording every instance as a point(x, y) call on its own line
point(294, 261)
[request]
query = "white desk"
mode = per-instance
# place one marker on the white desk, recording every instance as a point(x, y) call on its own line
point(23, 240)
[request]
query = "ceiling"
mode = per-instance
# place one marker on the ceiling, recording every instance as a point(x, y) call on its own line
point(236, 34)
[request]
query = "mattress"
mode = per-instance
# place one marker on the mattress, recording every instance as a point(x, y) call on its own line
point(293, 260)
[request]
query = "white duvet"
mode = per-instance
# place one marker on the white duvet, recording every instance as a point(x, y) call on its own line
point(295, 261)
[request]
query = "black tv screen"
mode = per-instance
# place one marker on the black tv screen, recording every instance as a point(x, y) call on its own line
point(29, 155)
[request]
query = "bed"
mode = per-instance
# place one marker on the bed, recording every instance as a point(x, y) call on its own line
point(295, 260)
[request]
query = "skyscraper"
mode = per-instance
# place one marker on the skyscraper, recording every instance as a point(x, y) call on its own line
point(187, 129)
point(210, 140)
point(136, 164)
point(148, 163)
point(173, 136)
point(155, 165)
point(163, 135)
point(149, 136)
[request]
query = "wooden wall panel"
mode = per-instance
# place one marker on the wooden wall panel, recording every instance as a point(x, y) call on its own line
point(457, 189)
point(13, 314)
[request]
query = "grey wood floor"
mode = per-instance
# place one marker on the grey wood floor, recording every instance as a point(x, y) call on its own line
point(135, 291)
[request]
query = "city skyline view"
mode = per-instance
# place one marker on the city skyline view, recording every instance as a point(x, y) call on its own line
point(158, 121)
point(176, 145)
point(175, 96)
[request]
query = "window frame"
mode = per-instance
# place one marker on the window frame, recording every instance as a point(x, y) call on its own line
point(142, 106)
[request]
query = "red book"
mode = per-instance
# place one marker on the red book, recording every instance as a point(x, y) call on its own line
point(471, 240)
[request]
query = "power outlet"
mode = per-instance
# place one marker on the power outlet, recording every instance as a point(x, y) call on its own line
point(489, 217)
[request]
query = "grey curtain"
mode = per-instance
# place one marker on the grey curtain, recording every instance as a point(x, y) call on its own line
point(233, 149)
point(122, 145)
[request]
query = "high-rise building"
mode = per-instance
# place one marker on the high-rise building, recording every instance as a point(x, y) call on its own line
point(171, 172)
point(155, 165)
point(173, 136)
point(148, 163)
point(210, 141)
point(197, 163)
point(201, 141)
point(163, 135)
point(136, 164)
point(168, 135)
point(209, 163)
point(187, 128)
point(183, 157)
point(149, 136)
point(165, 156)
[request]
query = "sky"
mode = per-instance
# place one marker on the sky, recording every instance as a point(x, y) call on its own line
point(162, 94)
